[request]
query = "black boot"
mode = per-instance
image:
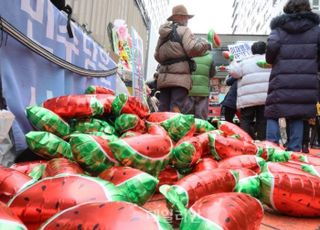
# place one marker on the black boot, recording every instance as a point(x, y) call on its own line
point(305, 148)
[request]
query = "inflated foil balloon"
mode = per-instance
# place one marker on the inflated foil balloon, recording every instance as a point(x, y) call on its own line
point(280, 167)
point(225, 147)
point(203, 126)
point(90, 125)
point(33, 169)
point(156, 130)
point(46, 120)
point(37, 203)
point(186, 154)
point(129, 122)
point(11, 182)
point(249, 182)
point(205, 142)
point(61, 166)
point(291, 194)
point(214, 39)
point(149, 153)
point(92, 152)
point(48, 145)
point(96, 89)
point(206, 163)
point(106, 215)
point(136, 184)
point(228, 55)
point(284, 156)
point(230, 129)
point(266, 149)
point(176, 124)
point(224, 211)
point(77, 106)
point(128, 104)
point(8, 220)
point(244, 161)
point(194, 186)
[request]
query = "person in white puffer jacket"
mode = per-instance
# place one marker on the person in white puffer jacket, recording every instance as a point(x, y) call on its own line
point(252, 90)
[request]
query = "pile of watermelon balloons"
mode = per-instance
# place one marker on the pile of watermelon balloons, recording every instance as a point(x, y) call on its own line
point(104, 156)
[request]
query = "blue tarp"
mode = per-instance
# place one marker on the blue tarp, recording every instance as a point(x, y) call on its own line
point(26, 77)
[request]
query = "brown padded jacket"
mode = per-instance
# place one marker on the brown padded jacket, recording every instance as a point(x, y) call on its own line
point(177, 74)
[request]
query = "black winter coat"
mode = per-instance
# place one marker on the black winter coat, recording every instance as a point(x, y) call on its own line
point(293, 50)
point(230, 100)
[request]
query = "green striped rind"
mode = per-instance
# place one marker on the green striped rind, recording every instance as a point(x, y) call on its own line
point(261, 162)
point(96, 106)
point(125, 122)
point(266, 188)
point(129, 134)
point(118, 103)
point(10, 225)
point(128, 156)
point(212, 139)
point(178, 126)
point(176, 196)
point(193, 221)
point(162, 223)
point(280, 156)
point(139, 188)
point(89, 154)
point(37, 172)
point(183, 155)
point(310, 169)
point(269, 151)
point(249, 185)
point(203, 126)
point(93, 125)
point(46, 120)
point(48, 145)
point(90, 90)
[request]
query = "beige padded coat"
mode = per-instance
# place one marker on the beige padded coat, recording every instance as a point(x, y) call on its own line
point(177, 74)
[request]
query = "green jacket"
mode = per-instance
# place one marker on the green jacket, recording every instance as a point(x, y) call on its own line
point(200, 77)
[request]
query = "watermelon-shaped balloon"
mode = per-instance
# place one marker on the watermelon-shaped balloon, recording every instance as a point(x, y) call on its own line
point(48, 145)
point(230, 129)
point(8, 220)
point(11, 182)
point(177, 125)
point(61, 166)
point(225, 147)
point(224, 211)
point(90, 125)
point(77, 106)
point(204, 141)
point(214, 39)
point(33, 169)
point(96, 89)
point(206, 163)
point(244, 161)
point(36, 203)
point(197, 185)
point(186, 154)
point(306, 158)
point(281, 167)
point(249, 182)
point(92, 152)
point(128, 104)
point(46, 120)
point(203, 126)
point(149, 153)
point(266, 149)
point(106, 215)
point(137, 185)
point(129, 122)
point(263, 64)
point(291, 194)
point(156, 130)
point(228, 55)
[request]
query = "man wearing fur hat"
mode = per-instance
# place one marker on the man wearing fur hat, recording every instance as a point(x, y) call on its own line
point(175, 48)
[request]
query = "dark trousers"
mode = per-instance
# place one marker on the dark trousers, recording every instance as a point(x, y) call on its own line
point(247, 118)
point(229, 113)
point(306, 133)
point(172, 99)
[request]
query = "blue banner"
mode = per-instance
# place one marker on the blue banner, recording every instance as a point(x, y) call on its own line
point(26, 77)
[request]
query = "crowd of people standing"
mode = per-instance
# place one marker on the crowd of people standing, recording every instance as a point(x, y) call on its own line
point(289, 89)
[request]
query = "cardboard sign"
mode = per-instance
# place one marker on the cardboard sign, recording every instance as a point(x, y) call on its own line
point(240, 50)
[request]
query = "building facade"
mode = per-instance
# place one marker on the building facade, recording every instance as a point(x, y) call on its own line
point(254, 16)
